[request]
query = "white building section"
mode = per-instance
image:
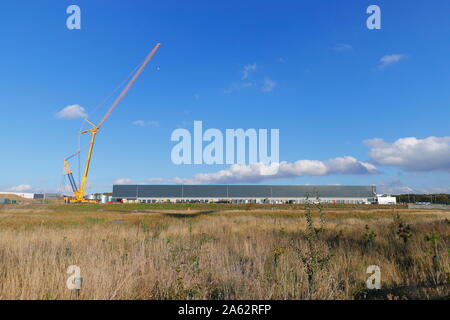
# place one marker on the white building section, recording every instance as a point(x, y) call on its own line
point(25, 195)
point(386, 199)
point(29, 195)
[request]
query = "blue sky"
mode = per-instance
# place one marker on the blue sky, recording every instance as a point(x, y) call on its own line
point(314, 71)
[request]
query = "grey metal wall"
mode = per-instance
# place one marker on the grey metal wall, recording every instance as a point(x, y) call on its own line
point(240, 191)
point(125, 191)
point(205, 191)
point(323, 191)
point(159, 191)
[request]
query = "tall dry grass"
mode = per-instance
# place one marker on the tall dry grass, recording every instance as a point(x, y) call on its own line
point(218, 255)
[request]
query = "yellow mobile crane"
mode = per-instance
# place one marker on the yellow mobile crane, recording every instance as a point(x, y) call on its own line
point(79, 193)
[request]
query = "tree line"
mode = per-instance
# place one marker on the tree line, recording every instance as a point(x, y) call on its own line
point(441, 198)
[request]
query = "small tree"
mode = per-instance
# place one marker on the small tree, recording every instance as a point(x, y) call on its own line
point(434, 240)
point(314, 259)
point(369, 237)
point(403, 229)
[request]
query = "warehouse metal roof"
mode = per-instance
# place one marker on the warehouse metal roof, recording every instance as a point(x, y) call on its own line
point(241, 191)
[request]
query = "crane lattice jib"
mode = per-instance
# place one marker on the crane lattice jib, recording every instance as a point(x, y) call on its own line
point(79, 193)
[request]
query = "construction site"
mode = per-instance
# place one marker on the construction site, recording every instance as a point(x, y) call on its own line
point(352, 212)
point(218, 242)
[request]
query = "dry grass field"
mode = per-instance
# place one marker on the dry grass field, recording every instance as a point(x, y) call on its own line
point(170, 251)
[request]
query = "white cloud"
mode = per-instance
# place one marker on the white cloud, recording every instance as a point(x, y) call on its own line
point(433, 190)
point(342, 47)
point(268, 85)
point(21, 188)
point(123, 181)
point(412, 154)
point(258, 171)
point(71, 112)
point(248, 69)
point(391, 59)
point(155, 180)
point(244, 81)
point(142, 123)
point(235, 86)
point(393, 186)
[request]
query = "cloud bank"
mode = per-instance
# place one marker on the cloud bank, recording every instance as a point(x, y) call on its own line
point(257, 172)
point(412, 154)
point(21, 188)
point(123, 181)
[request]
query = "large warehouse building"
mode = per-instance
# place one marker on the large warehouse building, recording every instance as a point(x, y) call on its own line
point(243, 193)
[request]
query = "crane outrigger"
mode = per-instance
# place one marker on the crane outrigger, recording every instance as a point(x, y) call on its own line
point(79, 193)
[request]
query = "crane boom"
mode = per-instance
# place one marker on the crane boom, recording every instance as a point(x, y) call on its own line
point(79, 193)
point(125, 90)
